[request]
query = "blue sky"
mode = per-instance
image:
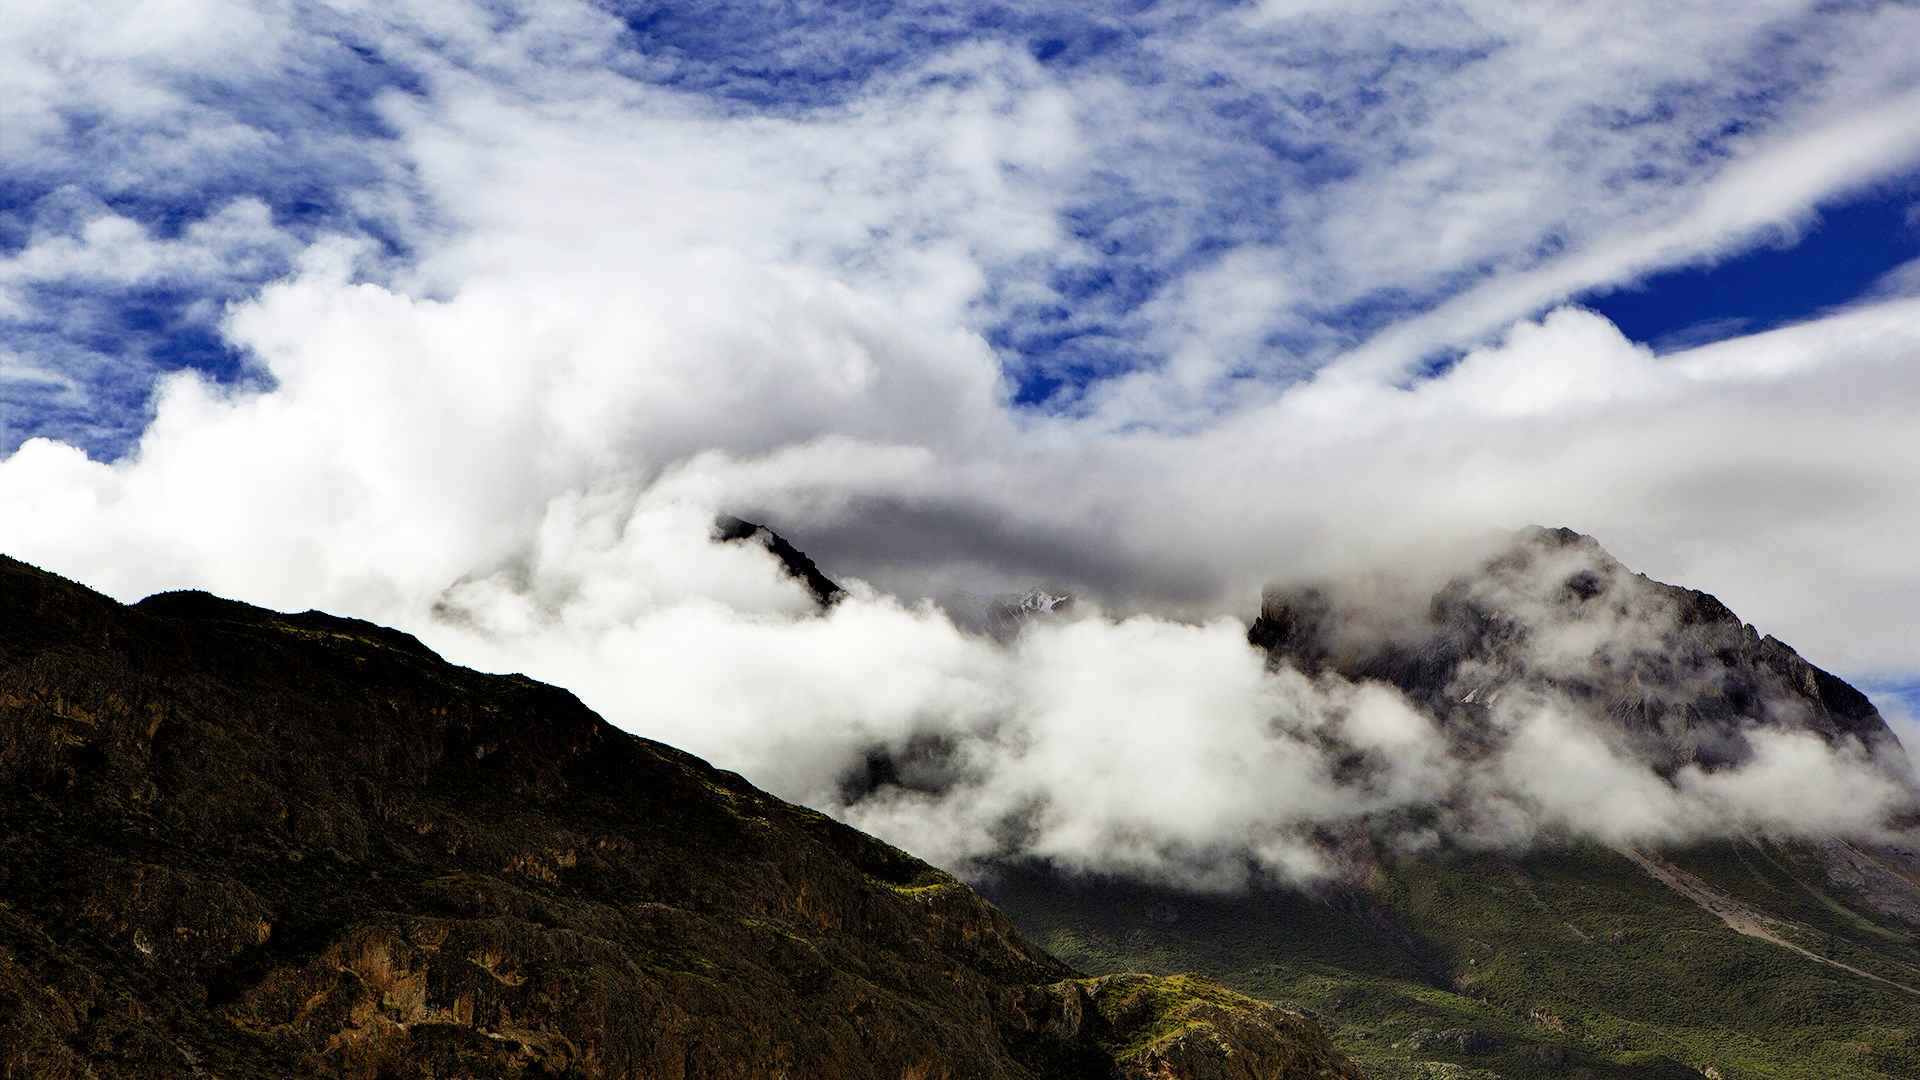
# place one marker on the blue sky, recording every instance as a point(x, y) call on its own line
point(330, 304)
point(1842, 255)
point(1279, 118)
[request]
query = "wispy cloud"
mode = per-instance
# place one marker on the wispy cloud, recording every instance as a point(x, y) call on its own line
point(1401, 178)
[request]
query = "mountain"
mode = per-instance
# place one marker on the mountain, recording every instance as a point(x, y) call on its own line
point(1006, 614)
point(1671, 668)
point(730, 529)
point(245, 843)
point(1736, 958)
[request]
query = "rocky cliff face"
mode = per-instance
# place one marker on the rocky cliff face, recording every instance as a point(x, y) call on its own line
point(240, 843)
point(1671, 668)
point(728, 529)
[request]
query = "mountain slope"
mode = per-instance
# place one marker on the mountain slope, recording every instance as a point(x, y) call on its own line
point(240, 843)
point(1747, 958)
point(1567, 962)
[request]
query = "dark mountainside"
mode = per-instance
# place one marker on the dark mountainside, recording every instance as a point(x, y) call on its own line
point(240, 843)
point(1672, 668)
point(730, 529)
point(1734, 959)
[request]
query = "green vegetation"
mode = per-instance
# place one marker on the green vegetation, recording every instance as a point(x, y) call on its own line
point(1168, 1008)
point(1567, 963)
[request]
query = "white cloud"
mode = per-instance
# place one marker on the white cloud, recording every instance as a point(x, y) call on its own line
point(626, 306)
point(234, 241)
point(1904, 720)
point(1424, 156)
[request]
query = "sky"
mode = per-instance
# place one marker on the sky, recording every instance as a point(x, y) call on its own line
point(467, 317)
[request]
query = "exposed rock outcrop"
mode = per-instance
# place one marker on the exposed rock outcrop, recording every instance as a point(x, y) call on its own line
point(730, 529)
point(1671, 668)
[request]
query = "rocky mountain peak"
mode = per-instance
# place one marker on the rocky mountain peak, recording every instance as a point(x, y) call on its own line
point(730, 529)
point(1553, 611)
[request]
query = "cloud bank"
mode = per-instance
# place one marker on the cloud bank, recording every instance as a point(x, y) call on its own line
point(1150, 316)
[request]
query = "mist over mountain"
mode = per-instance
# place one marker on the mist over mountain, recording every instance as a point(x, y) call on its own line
point(1542, 693)
point(1685, 681)
point(337, 851)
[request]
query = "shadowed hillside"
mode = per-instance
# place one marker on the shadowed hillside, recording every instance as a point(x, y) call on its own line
point(240, 843)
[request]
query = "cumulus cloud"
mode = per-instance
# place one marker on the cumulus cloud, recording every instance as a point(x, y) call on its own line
point(559, 308)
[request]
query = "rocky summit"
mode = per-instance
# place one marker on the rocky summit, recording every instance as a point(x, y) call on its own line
point(1670, 669)
point(241, 843)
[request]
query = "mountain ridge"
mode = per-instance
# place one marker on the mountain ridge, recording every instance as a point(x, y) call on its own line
point(1680, 672)
point(248, 843)
point(1567, 960)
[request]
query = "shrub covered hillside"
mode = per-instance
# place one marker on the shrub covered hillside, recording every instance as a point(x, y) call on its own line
point(1570, 963)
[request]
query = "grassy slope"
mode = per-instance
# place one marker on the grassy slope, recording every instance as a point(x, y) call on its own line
point(1567, 963)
